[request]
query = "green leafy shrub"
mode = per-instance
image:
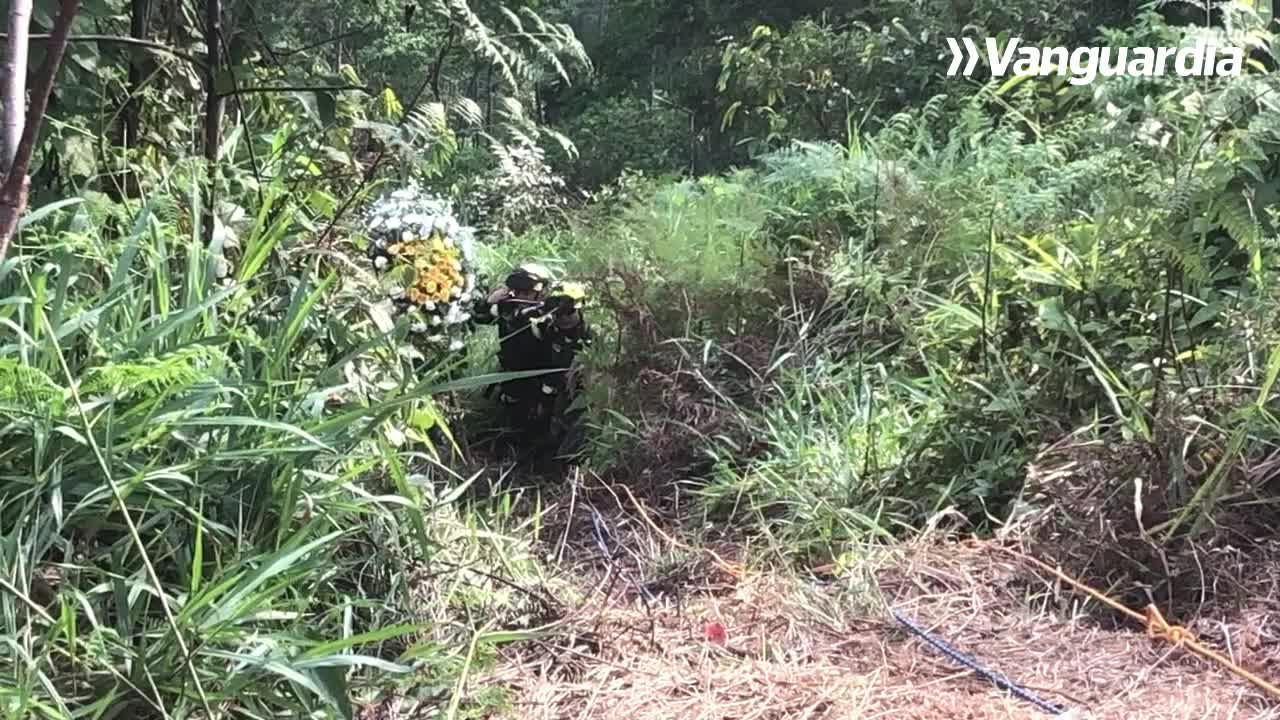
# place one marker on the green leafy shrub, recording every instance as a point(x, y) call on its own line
point(625, 133)
point(208, 506)
point(993, 281)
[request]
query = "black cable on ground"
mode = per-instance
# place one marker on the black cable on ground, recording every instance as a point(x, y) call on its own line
point(971, 663)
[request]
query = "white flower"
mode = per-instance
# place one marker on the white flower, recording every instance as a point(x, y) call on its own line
point(455, 346)
point(408, 214)
point(465, 237)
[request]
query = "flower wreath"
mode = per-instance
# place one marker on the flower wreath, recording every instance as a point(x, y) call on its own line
point(428, 262)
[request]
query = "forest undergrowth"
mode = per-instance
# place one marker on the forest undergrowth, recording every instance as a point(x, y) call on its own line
point(757, 476)
point(857, 330)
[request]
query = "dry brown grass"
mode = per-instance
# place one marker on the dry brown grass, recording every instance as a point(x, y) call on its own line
point(807, 648)
point(1027, 625)
point(632, 642)
point(1098, 505)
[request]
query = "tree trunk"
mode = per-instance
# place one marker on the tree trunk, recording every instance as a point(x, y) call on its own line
point(337, 46)
point(171, 12)
point(653, 75)
point(488, 93)
point(438, 66)
point(125, 183)
point(139, 11)
point(213, 111)
point(15, 81)
point(13, 193)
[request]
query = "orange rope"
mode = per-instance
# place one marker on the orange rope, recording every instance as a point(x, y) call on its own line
point(1156, 625)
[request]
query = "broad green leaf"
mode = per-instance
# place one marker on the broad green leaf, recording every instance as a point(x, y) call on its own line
point(326, 108)
point(333, 682)
point(224, 82)
point(372, 636)
point(1054, 315)
point(78, 155)
point(234, 605)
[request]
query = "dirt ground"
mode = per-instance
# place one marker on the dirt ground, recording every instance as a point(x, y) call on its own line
point(653, 628)
point(664, 631)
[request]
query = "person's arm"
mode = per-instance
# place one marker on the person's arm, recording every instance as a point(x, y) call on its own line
point(484, 310)
point(570, 326)
point(567, 320)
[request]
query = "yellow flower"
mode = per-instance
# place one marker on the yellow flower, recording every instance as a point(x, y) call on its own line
point(438, 266)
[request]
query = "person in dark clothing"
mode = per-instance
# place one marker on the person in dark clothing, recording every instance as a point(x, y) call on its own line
point(541, 326)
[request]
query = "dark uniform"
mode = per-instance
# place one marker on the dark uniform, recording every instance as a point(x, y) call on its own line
point(539, 328)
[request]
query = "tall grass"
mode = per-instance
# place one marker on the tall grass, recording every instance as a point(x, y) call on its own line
point(667, 261)
point(982, 298)
point(200, 511)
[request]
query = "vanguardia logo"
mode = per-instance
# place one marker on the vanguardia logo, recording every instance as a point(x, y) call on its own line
point(1204, 59)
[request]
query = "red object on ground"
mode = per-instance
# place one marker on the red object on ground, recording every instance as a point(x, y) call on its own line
point(715, 633)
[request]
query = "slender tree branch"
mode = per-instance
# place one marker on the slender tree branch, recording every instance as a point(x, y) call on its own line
point(243, 118)
point(214, 106)
point(439, 63)
point(138, 15)
point(121, 40)
point(372, 170)
point(286, 52)
point(199, 62)
point(292, 88)
point(257, 30)
point(13, 194)
point(15, 82)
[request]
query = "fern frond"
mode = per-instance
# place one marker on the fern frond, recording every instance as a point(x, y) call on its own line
point(511, 108)
point(478, 37)
point(511, 18)
point(1187, 256)
point(934, 108)
point(152, 376)
point(564, 142)
point(1235, 216)
point(469, 110)
point(26, 391)
point(429, 119)
point(548, 55)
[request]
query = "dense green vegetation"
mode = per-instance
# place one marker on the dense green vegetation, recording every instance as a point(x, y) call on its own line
point(837, 292)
